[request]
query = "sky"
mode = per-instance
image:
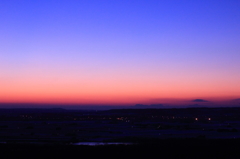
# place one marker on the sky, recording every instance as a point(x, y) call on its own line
point(115, 52)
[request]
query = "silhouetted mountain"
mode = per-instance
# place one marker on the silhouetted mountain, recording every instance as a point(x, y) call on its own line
point(142, 106)
point(199, 100)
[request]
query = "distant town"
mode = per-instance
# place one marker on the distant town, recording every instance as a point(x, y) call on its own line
point(117, 125)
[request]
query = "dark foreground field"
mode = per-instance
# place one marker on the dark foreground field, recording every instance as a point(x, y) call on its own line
point(194, 133)
point(174, 148)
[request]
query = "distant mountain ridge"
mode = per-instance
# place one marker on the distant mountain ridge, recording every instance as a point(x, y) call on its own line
point(142, 106)
point(199, 100)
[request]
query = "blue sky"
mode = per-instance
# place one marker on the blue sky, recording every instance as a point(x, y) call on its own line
point(127, 43)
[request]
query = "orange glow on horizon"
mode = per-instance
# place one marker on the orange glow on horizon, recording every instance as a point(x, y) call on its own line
point(114, 88)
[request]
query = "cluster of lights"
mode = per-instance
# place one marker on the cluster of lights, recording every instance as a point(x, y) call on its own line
point(207, 119)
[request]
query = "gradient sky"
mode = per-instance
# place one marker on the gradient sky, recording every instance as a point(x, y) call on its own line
point(119, 51)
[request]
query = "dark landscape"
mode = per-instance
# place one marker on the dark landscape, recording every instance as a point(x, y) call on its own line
point(120, 79)
point(172, 133)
